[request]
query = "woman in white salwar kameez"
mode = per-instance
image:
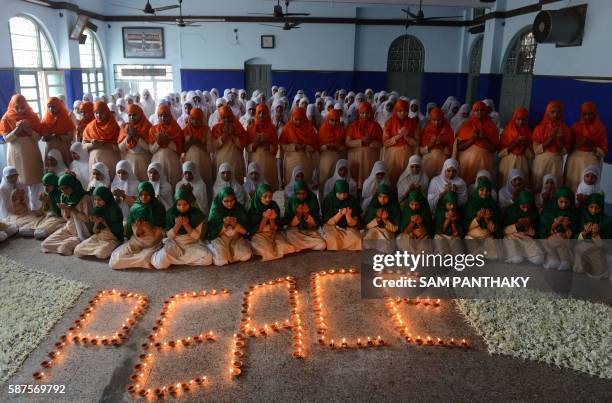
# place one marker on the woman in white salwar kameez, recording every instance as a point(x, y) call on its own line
point(225, 177)
point(413, 178)
point(514, 186)
point(192, 181)
point(99, 176)
point(377, 177)
point(124, 187)
point(54, 162)
point(80, 163)
point(184, 226)
point(254, 178)
point(163, 189)
point(447, 181)
point(341, 173)
point(9, 185)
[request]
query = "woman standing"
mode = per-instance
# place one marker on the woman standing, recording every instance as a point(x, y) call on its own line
point(87, 116)
point(401, 139)
point(330, 139)
point(551, 140)
point(590, 145)
point(229, 140)
point(364, 141)
point(135, 140)
point(437, 140)
point(515, 149)
point(298, 143)
point(167, 144)
point(20, 127)
point(100, 138)
point(198, 146)
point(263, 145)
point(57, 129)
point(477, 140)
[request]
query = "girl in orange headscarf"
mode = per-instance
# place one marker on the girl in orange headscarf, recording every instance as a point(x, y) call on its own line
point(20, 127)
point(590, 145)
point(167, 144)
point(401, 139)
point(87, 115)
point(263, 144)
point(100, 138)
point(364, 141)
point(198, 144)
point(135, 140)
point(477, 140)
point(331, 142)
point(229, 139)
point(436, 143)
point(57, 129)
point(298, 141)
point(551, 139)
point(515, 148)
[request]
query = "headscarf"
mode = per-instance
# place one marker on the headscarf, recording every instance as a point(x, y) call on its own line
point(552, 211)
point(54, 196)
point(293, 202)
point(289, 189)
point(547, 125)
point(57, 124)
point(444, 133)
point(601, 219)
point(506, 198)
point(483, 173)
point(305, 134)
point(171, 129)
point(263, 126)
point(238, 189)
point(331, 182)
point(163, 189)
point(415, 115)
point(494, 115)
point(110, 212)
point(6, 191)
point(196, 133)
point(11, 118)
point(448, 114)
point(103, 169)
point(129, 186)
point(594, 132)
point(195, 215)
point(545, 179)
point(250, 186)
point(247, 118)
point(486, 125)
point(439, 217)
point(367, 127)
point(198, 187)
point(422, 211)
point(331, 204)
point(152, 212)
point(142, 127)
point(438, 183)
point(77, 190)
point(407, 178)
point(329, 134)
point(392, 207)
point(148, 105)
point(80, 167)
point(106, 131)
point(218, 212)
point(239, 132)
point(371, 184)
point(585, 189)
point(257, 208)
point(514, 212)
point(476, 203)
point(394, 124)
point(457, 120)
point(512, 132)
point(87, 114)
point(59, 167)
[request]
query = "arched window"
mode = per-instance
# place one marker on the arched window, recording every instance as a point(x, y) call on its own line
point(474, 71)
point(34, 62)
point(92, 65)
point(521, 58)
point(406, 55)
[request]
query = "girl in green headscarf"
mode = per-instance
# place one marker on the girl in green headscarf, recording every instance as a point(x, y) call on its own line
point(144, 231)
point(184, 227)
point(52, 219)
point(482, 217)
point(75, 206)
point(590, 253)
point(303, 219)
point(227, 226)
point(106, 225)
point(520, 226)
point(416, 225)
point(264, 223)
point(558, 223)
point(341, 213)
point(382, 217)
point(448, 225)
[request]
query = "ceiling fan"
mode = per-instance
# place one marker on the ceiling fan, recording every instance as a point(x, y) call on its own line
point(181, 22)
point(278, 11)
point(288, 26)
point(419, 17)
point(148, 8)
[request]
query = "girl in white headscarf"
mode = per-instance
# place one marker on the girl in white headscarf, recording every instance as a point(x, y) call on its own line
point(80, 163)
point(214, 117)
point(341, 173)
point(461, 116)
point(10, 182)
point(55, 162)
point(414, 112)
point(192, 180)
point(447, 104)
point(249, 116)
point(453, 108)
point(385, 112)
point(147, 103)
point(549, 187)
point(16, 213)
point(253, 179)
point(447, 180)
point(413, 178)
point(121, 113)
point(590, 184)
point(225, 177)
point(514, 185)
point(297, 173)
point(428, 108)
point(493, 114)
point(163, 189)
point(312, 113)
point(377, 177)
point(75, 113)
point(99, 176)
point(124, 187)
point(88, 96)
point(483, 173)
point(182, 120)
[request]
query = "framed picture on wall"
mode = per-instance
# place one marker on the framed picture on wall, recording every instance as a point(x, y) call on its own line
point(143, 43)
point(267, 41)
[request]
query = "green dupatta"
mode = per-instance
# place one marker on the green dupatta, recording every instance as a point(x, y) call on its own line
point(111, 212)
point(476, 203)
point(392, 207)
point(77, 190)
point(331, 204)
point(195, 215)
point(55, 195)
point(423, 211)
point(257, 209)
point(218, 212)
point(514, 212)
point(153, 212)
point(294, 202)
point(601, 219)
point(552, 211)
point(439, 218)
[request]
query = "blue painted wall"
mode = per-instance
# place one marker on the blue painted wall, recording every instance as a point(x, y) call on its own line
point(194, 79)
point(7, 88)
point(74, 86)
point(437, 87)
point(489, 86)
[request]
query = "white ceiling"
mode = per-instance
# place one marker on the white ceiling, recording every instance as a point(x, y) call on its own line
point(443, 3)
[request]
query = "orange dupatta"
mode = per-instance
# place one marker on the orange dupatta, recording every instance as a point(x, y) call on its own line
point(171, 129)
point(142, 126)
point(263, 126)
point(365, 127)
point(487, 126)
point(511, 133)
point(305, 134)
point(107, 130)
point(57, 124)
point(239, 132)
point(394, 124)
point(594, 132)
point(444, 133)
point(198, 133)
point(11, 117)
point(547, 125)
point(329, 134)
point(87, 110)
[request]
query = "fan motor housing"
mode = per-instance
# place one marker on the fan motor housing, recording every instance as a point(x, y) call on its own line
point(563, 27)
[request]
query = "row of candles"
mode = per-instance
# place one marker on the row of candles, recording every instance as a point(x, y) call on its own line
point(145, 365)
point(75, 332)
point(404, 331)
point(319, 309)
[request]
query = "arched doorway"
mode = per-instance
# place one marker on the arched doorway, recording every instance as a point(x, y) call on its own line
point(474, 71)
point(518, 70)
point(405, 65)
point(257, 76)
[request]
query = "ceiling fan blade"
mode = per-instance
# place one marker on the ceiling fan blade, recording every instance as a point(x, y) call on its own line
point(164, 8)
point(441, 18)
point(296, 14)
point(409, 13)
point(121, 5)
point(271, 15)
point(270, 25)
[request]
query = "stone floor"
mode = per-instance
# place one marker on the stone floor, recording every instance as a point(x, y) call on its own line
point(271, 373)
